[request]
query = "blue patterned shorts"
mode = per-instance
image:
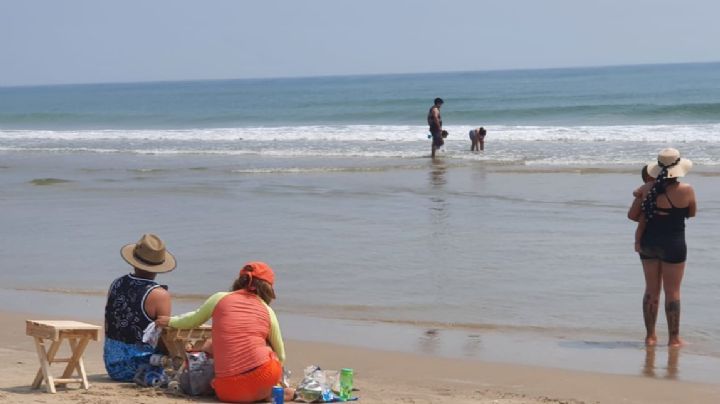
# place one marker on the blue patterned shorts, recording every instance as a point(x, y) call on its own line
point(123, 360)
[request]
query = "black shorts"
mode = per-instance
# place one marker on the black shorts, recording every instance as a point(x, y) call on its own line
point(670, 248)
point(437, 138)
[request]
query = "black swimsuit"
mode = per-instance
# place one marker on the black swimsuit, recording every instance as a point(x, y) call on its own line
point(664, 236)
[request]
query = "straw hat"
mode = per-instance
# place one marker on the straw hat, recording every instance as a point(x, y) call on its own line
point(149, 254)
point(670, 158)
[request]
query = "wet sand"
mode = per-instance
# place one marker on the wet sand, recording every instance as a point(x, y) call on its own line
point(381, 377)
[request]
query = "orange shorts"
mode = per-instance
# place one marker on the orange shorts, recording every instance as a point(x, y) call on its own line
point(248, 387)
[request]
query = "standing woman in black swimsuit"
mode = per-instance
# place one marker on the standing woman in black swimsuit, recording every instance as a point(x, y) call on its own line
point(666, 204)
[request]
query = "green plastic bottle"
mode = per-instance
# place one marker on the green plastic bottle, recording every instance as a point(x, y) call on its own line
point(346, 384)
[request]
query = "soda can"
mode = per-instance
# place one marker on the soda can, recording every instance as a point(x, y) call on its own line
point(278, 395)
point(174, 388)
point(155, 378)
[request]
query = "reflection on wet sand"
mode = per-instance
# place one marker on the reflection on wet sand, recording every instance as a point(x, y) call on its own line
point(672, 366)
point(429, 341)
point(439, 206)
point(671, 371)
point(472, 345)
point(649, 366)
point(437, 174)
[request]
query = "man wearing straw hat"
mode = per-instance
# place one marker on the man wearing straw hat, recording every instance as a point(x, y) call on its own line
point(134, 301)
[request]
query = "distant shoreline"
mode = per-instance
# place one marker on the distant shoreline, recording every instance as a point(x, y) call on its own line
point(356, 75)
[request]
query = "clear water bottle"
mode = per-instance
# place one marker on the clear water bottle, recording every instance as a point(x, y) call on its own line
point(159, 360)
point(346, 384)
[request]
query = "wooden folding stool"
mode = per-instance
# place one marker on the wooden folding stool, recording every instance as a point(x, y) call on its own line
point(77, 334)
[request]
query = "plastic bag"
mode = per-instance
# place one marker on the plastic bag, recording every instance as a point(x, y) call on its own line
point(197, 376)
point(151, 335)
point(317, 385)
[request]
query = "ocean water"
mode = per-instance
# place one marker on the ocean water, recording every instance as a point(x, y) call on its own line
point(328, 180)
point(609, 115)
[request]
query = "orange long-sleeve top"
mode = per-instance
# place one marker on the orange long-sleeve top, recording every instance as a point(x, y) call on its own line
point(241, 324)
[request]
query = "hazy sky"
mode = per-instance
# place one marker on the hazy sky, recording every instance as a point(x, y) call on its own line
point(73, 41)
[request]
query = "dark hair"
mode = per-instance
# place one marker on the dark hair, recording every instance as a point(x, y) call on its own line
point(659, 187)
point(256, 286)
point(645, 174)
point(439, 101)
point(482, 131)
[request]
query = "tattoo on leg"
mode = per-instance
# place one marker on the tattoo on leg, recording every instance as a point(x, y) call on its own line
point(650, 311)
point(672, 312)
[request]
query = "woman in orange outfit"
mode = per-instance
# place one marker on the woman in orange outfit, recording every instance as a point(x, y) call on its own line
point(246, 341)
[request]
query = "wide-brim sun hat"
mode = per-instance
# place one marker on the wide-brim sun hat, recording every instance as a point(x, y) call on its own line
point(149, 254)
point(670, 158)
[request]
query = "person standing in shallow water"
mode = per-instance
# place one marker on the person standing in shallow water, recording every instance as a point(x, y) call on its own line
point(435, 122)
point(665, 206)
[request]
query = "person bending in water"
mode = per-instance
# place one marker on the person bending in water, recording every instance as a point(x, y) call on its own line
point(477, 137)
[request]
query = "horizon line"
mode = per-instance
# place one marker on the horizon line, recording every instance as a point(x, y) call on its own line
point(341, 75)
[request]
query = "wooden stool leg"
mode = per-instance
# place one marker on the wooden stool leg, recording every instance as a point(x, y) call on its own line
point(76, 363)
point(44, 364)
point(83, 375)
point(69, 368)
point(51, 356)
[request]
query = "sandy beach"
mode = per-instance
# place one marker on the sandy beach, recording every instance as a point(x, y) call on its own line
point(381, 377)
point(502, 276)
point(299, 135)
point(468, 333)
